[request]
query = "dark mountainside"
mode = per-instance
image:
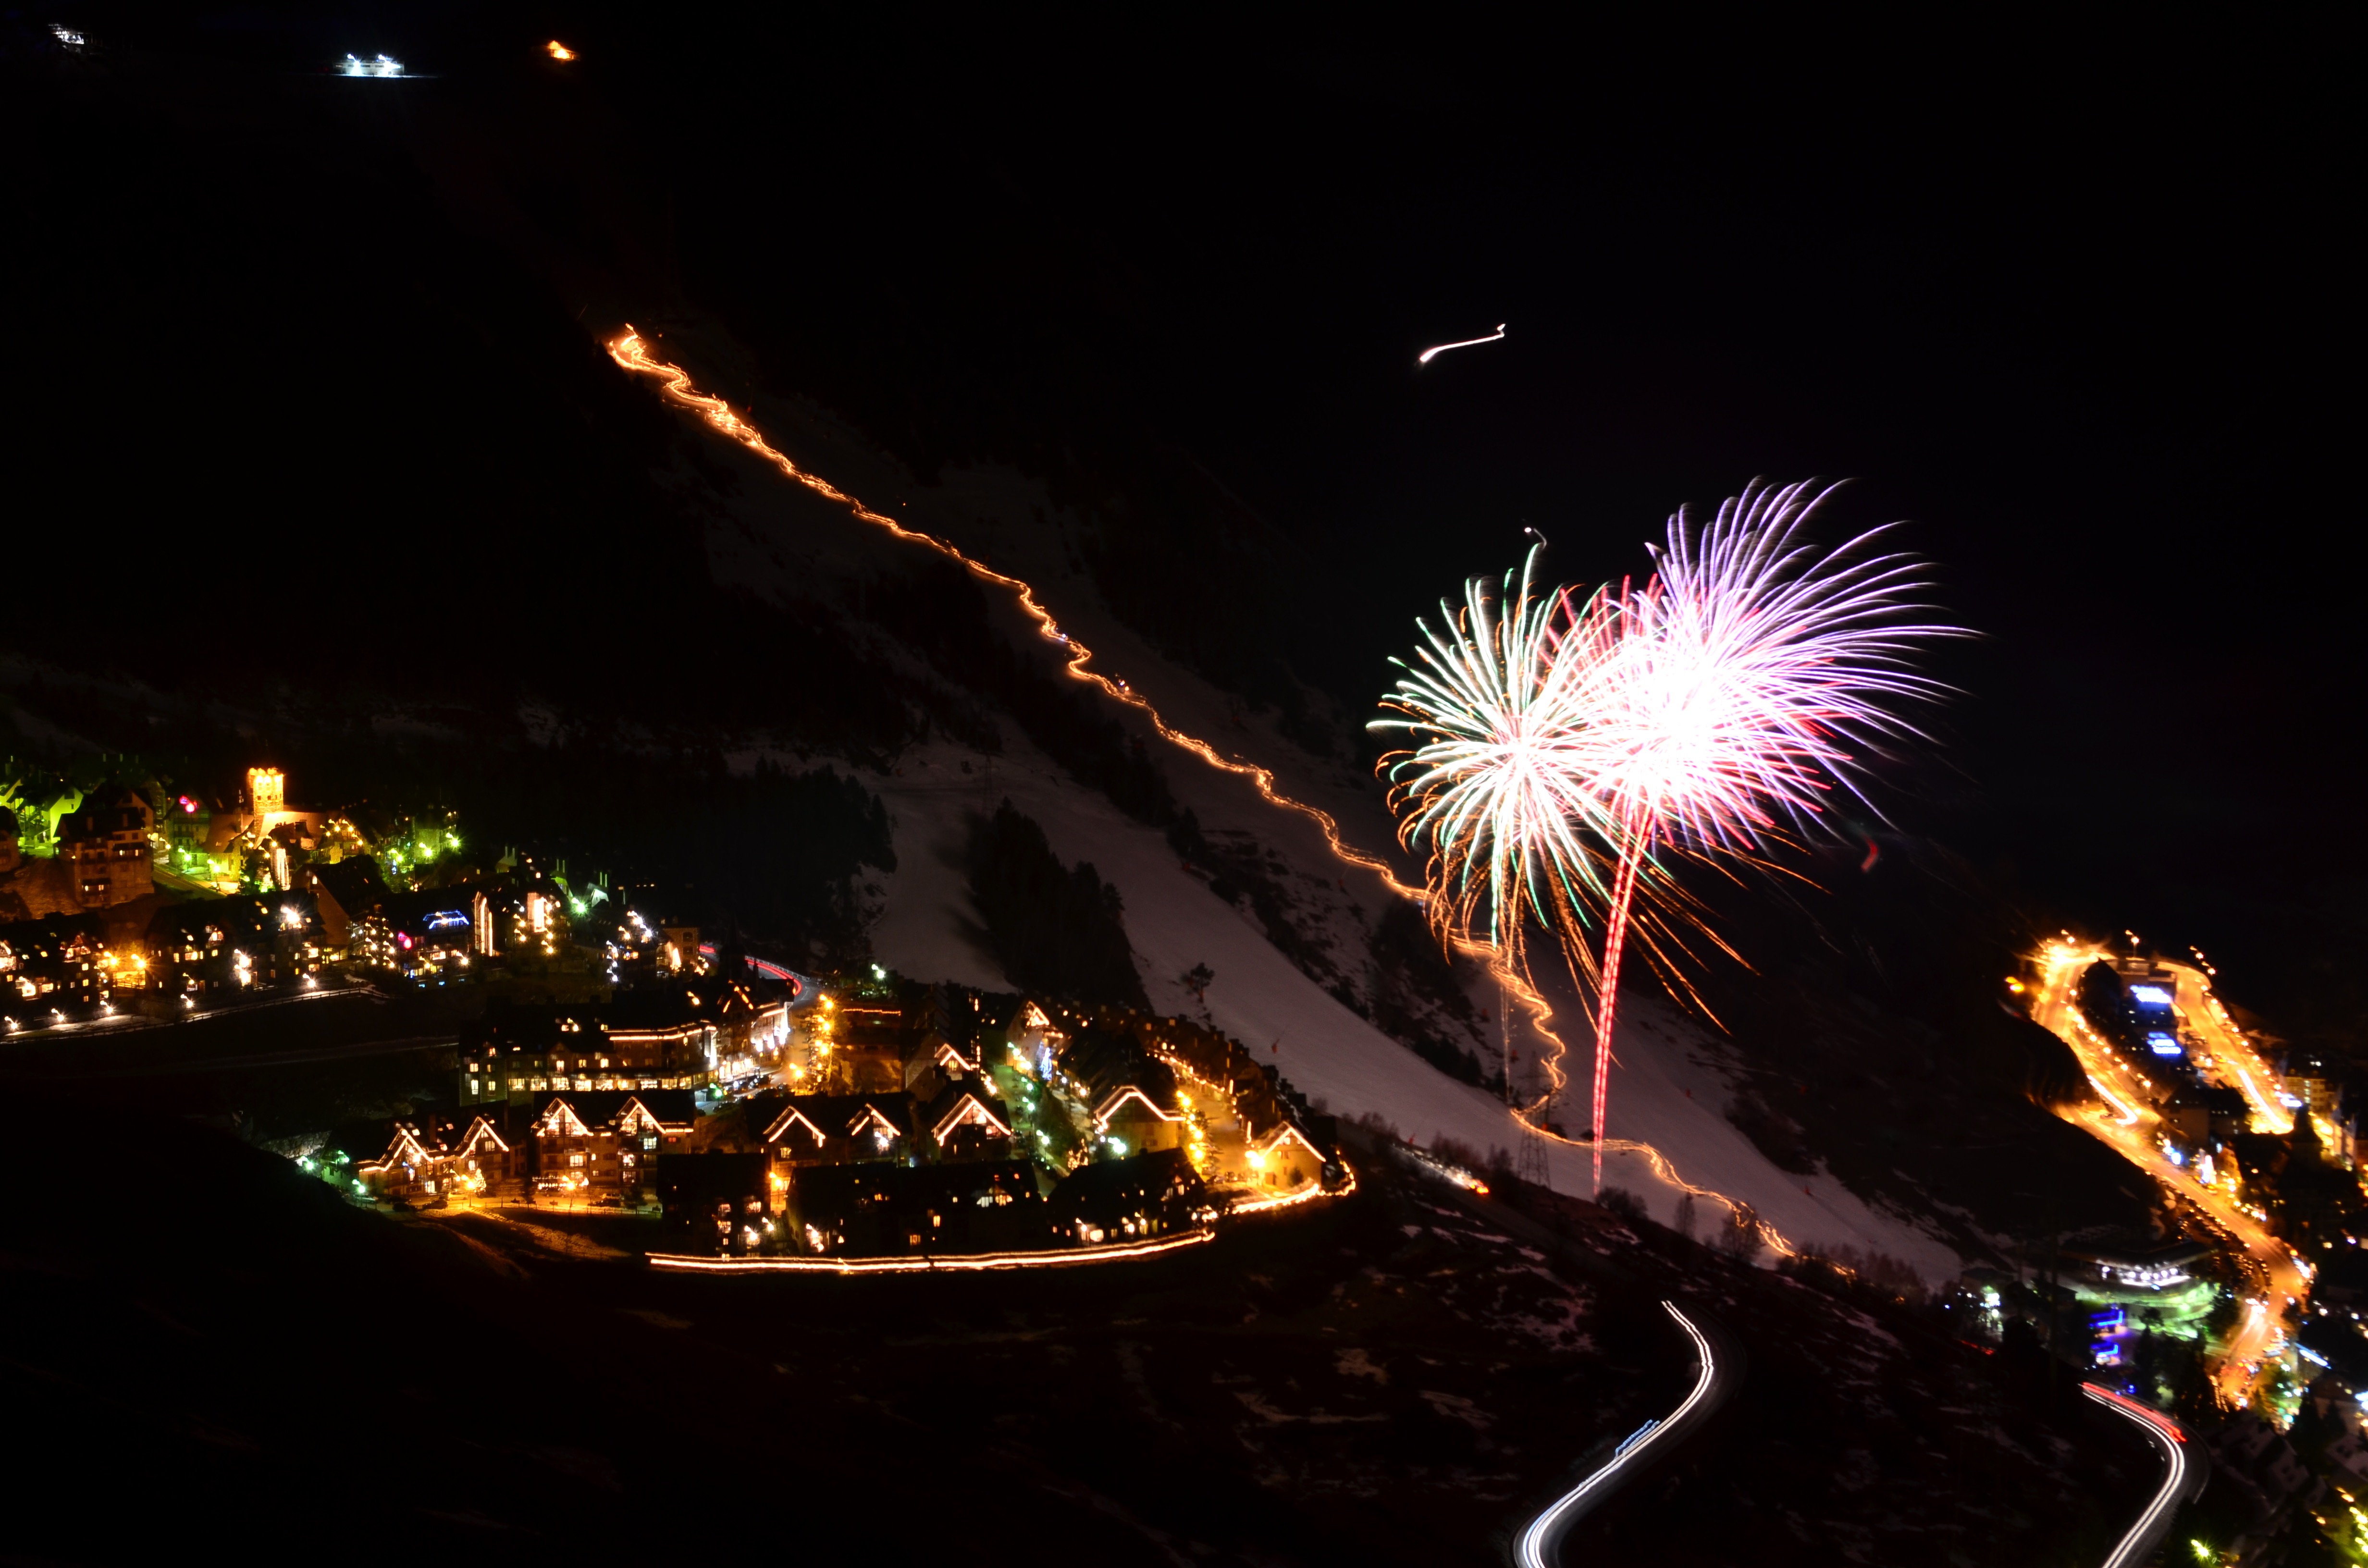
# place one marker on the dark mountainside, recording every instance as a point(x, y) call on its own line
point(1393, 1379)
point(398, 519)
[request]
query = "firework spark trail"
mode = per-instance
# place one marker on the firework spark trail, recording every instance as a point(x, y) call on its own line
point(632, 353)
point(1428, 354)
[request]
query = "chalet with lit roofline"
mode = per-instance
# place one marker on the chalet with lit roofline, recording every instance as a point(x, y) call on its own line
point(837, 1130)
point(418, 1167)
point(605, 1144)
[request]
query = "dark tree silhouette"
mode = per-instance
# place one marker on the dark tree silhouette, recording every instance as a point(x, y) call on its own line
point(1055, 929)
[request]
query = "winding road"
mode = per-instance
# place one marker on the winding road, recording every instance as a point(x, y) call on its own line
point(1541, 1543)
point(2155, 1523)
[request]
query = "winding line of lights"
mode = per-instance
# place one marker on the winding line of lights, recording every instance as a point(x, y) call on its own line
point(971, 1262)
point(1292, 1199)
point(2165, 1431)
point(1538, 1538)
point(632, 353)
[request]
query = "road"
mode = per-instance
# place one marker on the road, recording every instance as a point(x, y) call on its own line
point(356, 1050)
point(122, 1022)
point(1541, 1543)
point(2182, 1477)
point(2275, 1278)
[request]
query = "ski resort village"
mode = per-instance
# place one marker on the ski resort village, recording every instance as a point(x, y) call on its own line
point(605, 1057)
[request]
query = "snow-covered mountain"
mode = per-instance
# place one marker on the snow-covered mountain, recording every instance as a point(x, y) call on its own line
point(1669, 1084)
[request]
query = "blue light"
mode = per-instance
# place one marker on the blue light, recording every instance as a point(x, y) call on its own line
point(2154, 995)
point(2162, 1044)
point(1638, 1435)
point(444, 918)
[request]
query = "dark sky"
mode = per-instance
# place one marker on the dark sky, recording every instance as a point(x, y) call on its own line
point(2066, 300)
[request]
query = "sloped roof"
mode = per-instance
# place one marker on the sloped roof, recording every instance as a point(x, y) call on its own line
point(672, 1110)
point(113, 807)
point(842, 1116)
point(354, 883)
point(957, 1106)
point(1107, 1062)
point(1110, 1186)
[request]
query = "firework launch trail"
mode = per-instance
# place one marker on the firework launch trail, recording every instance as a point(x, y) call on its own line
point(632, 352)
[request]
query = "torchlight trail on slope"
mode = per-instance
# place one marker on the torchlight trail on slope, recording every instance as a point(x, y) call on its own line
point(1428, 354)
point(632, 353)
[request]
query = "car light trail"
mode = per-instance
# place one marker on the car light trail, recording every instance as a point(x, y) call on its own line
point(1428, 354)
point(2143, 1535)
point(2128, 1114)
point(1538, 1540)
point(632, 352)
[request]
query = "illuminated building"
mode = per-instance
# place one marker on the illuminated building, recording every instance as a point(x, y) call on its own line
point(106, 843)
point(2206, 1116)
point(267, 793)
point(657, 1037)
point(1286, 1156)
point(342, 893)
point(1135, 1105)
point(2139, 1271)
point(418, 1165)
point(836, 1130)
point(1140, 1196)
point(260, 840)
point(966, 1124)
point(716, 1203)
point(869, 1046)
point(607, 1145)
point(678, 951)
point(422, 935)
point(227, 945)
point(54, 968)
point(883, 1209)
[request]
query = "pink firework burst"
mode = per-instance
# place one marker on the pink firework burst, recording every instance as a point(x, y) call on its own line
point(1726, 700)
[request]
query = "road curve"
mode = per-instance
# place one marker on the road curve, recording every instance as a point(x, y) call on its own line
point(2151, 1525)
point(1541, 1543)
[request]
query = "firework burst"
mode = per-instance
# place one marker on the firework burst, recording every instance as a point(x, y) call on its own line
point(1489, 791)
point(1572, 748)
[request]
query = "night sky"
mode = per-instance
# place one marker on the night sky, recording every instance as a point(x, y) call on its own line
point(2064, 300)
